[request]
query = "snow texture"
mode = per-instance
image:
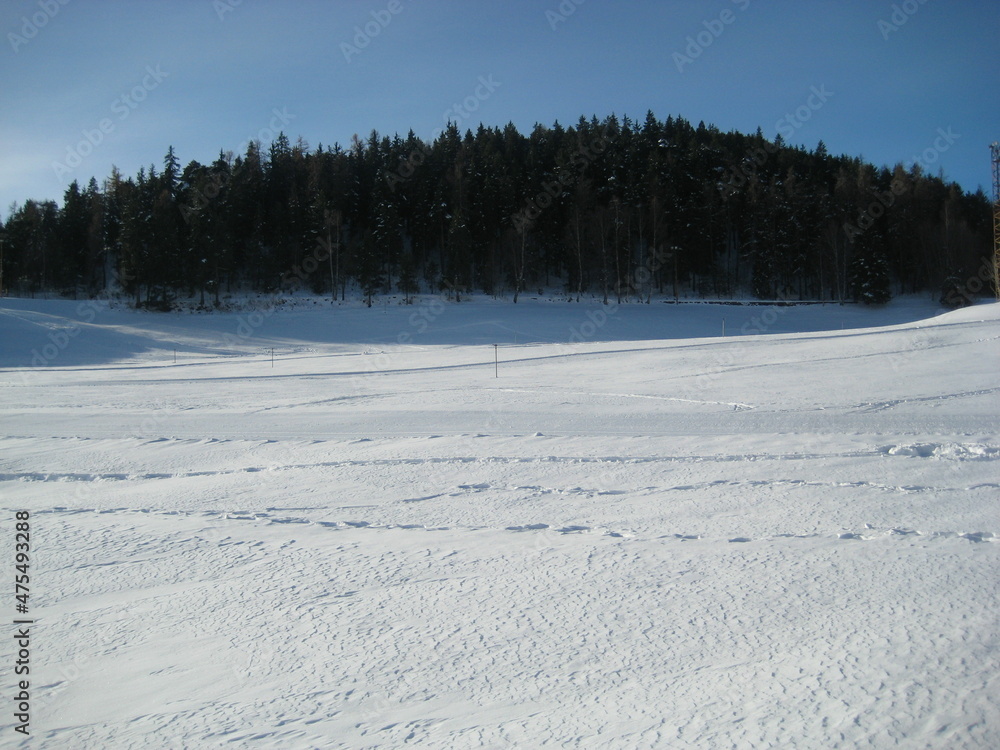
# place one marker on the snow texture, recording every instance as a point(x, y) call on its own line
point(641, 534)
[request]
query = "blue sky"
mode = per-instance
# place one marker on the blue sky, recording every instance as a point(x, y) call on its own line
point(87, 84)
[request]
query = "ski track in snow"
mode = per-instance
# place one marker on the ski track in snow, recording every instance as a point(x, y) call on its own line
point(764, 541)
point(268, 517)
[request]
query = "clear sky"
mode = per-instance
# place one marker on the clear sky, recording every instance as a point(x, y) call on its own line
point(87, 84)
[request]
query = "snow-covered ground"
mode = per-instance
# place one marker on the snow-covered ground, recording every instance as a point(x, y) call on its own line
point(641, 534)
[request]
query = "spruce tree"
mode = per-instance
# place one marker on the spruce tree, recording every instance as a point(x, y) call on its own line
point(869, 273)
point(587, 206)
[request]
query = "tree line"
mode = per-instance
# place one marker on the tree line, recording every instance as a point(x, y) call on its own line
point(611, 208)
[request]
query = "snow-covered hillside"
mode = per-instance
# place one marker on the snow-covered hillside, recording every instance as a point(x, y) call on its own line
point(631, 532)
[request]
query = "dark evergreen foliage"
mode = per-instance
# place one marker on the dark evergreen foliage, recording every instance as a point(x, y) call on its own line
point(616, 208)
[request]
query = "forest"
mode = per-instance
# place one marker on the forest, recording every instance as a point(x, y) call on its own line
point(614, 209)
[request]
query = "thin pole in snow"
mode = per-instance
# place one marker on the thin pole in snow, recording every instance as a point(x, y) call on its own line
point(272, 356)
point(496, 360)
point(723, 328)
point(175, 356)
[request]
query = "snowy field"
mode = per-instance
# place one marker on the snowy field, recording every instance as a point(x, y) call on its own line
point(641, 534)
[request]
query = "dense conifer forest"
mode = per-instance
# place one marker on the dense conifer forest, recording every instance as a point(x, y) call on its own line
point(616, 209)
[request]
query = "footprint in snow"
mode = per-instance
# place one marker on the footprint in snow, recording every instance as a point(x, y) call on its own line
point(529, 527)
